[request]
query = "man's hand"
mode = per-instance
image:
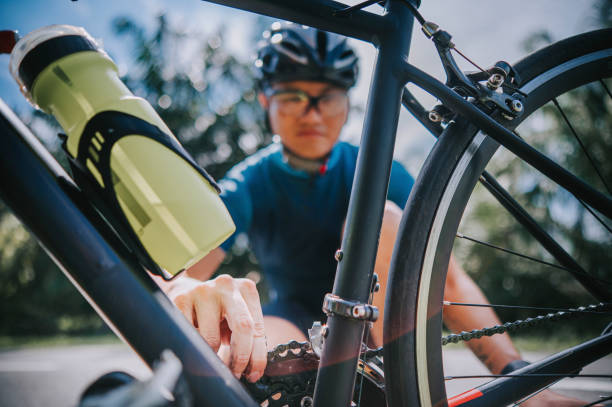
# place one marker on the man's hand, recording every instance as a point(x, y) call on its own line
point(227, 312)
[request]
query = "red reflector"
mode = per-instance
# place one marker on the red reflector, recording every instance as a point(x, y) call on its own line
point(464, 397)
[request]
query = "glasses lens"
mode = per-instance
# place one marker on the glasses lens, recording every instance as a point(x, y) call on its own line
point(296, 103)
point(332, 104)
point(291, 103)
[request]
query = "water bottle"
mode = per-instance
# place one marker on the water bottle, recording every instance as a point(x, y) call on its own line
point(165, 207)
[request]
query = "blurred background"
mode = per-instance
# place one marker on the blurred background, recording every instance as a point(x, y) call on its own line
point(192, 61)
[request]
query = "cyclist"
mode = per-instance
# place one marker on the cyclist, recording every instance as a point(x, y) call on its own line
point(291, 199)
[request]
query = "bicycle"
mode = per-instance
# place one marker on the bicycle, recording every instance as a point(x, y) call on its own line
point(413, 356)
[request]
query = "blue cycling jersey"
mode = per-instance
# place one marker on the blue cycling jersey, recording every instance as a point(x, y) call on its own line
point(294, 219)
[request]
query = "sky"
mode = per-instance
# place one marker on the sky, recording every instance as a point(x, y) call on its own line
point(485, 30)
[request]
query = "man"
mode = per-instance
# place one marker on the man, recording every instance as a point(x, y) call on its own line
point(291, 198)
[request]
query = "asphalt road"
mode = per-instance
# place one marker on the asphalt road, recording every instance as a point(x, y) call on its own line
point(56, 376)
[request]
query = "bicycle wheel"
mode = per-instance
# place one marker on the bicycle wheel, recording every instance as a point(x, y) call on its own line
point(413, 312)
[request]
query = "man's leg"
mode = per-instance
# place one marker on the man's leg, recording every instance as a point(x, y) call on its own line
point(279, 330)
point(286, 320)
point(388, 231)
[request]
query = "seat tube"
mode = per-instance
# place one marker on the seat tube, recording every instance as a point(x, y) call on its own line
point(336, 377)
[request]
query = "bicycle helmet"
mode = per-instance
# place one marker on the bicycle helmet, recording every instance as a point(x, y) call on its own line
point(290, 52)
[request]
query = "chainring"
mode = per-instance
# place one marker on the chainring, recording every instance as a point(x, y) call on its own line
point(291, 373)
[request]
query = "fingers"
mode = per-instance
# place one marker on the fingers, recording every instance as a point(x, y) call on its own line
point(228, 310)
point(239, 321)
point(185, 304)
point(258, 361)
point(208, 315)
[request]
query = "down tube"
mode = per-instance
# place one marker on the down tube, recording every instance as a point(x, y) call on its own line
point(43, 197)
point(336, 376)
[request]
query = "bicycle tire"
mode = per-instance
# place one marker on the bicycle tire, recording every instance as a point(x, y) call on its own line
point(413, 309)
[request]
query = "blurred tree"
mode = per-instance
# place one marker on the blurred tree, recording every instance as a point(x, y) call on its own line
point(207, 97)
point(507, 279)
point(35, 298)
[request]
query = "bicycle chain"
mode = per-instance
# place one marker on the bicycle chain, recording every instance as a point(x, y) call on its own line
point(519, 324)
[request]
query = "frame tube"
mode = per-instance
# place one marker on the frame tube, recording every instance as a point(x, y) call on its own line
point(418, 112)
point(46, 200)
point(507, 390)
point(319, 14)
point(336, 376)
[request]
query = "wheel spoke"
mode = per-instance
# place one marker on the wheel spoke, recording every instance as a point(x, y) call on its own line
point(592, 212)
point(543, 237)
point(560, 375)
point(524, 256)
point(463, 304)
point(606, 88)
point(584, 149)
point(598, 401)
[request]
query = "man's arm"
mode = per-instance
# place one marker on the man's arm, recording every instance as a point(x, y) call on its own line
point(206, 267)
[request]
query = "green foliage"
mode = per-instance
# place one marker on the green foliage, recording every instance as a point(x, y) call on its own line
point(507, 279)
point(35, 299)
point(207, 97)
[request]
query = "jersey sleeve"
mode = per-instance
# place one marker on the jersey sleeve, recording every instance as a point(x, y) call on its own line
point(400, 185)
point(236, 196)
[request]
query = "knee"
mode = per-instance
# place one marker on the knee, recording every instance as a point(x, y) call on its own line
point(388, 231)
point(280, 330)
point(392, 217)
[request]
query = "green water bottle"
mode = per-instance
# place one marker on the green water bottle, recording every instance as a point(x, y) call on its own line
point(123, 156)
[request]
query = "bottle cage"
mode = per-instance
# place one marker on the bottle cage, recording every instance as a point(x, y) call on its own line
point(112, 126)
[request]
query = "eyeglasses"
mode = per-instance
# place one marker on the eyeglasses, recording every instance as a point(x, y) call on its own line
point(297, 103)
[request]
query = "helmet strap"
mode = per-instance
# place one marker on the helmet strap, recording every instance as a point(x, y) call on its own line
point(312, 166)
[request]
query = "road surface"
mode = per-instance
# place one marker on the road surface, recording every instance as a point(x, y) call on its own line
point(56, 376)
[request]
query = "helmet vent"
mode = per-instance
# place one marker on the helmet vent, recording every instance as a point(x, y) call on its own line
point(346, 54)
point(291, 48)
point(322, 45)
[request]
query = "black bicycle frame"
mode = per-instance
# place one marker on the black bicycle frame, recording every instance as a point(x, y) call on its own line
point(48, 202)
point(97, 263)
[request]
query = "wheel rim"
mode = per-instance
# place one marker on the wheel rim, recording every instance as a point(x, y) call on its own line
point(439, 244)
